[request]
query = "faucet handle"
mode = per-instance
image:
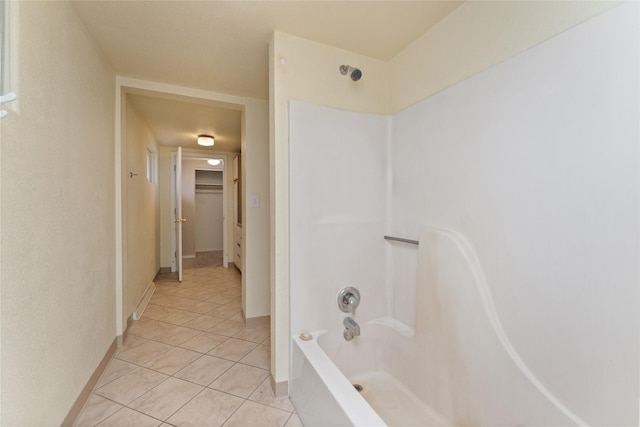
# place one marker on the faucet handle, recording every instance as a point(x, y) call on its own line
point(348, 299)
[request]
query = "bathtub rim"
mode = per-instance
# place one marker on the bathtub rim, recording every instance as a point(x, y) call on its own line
point(356, 408)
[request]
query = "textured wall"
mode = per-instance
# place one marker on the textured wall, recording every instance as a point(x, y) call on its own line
point(476, 36)
point(57, 217)
point(142, 212)
point(255, 222)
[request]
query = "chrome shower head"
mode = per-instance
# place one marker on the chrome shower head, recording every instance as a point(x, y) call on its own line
point(354, 72)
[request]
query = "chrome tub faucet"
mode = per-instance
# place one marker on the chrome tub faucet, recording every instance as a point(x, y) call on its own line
point(351, 329)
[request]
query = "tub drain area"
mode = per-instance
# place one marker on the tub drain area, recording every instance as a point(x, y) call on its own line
point(358, 387)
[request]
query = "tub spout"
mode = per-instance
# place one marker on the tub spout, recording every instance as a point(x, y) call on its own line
point(351, 329)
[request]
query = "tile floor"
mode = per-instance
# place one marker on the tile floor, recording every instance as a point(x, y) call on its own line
point(191, 362)
point(203, 259)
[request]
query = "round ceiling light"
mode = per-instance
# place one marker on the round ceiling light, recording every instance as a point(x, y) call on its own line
point(205, 140)
point(214, 162)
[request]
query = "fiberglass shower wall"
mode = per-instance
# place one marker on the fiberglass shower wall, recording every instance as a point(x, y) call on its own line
point(535, 162)
point(338, 197)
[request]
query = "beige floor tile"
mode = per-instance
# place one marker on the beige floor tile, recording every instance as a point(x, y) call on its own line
point(126, 417)
point(233, 349)
point(220, 299)
point(224, 311)
point(130, 342)
point(256, 415)
point(294, 421)
point(260, 357)
point(115, 369)
point(203, 322)
point(202, 295)
point(156, 312)
point(206, 389)
point(204, 370)
point(257, 334)
point(147, 328)
point(264, 394)
point(240, 380)
point(181, 303)
point(235, 302)
point(180, 317)
point(131, 385)
point(95, 410)
point(237, 318)
point(163, 300)
point(173, 360)
point(164, 289)
point(227, 328)
point(175, 335)
point(233, 292)
point(144, 352)
point(210, 408)
point(165, 399)
point(203, 342)
point(204, 307)
point(185, 293)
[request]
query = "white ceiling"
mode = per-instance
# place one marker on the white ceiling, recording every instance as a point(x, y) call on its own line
point(178, 122)
point(222, 46)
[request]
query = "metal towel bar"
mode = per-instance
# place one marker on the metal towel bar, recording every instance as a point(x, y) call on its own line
point(400, 239)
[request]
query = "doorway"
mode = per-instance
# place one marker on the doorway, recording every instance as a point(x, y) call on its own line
point(241, 124)
point(209, 218)
point(204, 207)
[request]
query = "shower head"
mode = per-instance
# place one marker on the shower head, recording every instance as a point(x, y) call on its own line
point(354, 72)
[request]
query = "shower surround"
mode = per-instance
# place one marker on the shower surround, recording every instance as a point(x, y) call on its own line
point(533, 165)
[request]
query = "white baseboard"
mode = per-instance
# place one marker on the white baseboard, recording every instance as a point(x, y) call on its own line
point(253, 322)
point(142, 305)
point(280, 389)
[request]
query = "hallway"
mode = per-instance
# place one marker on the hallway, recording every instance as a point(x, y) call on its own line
point(191, 362)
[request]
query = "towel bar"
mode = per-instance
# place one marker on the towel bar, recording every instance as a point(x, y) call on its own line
point(400, 239)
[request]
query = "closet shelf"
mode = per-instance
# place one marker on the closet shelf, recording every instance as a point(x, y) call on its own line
point(208, 186)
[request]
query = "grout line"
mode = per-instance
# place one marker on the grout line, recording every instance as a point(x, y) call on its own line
point(171, 346)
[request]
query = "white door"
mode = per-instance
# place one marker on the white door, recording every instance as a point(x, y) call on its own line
point(178, 220)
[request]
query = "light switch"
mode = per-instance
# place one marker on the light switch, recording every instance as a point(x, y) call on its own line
point(254, 200)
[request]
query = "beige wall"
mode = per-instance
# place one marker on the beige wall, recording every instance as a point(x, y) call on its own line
point(474, 37)
point(57, 218)
point(255, 221)
point(306, 71)
point(142, 234)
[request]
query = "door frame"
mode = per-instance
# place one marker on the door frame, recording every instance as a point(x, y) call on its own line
point(123, 86)
point(174, 204)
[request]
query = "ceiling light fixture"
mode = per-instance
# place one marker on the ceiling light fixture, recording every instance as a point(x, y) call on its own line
point(214, 162)
point(206, 140)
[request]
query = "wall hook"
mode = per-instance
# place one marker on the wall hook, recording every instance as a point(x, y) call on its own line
point(131, 174)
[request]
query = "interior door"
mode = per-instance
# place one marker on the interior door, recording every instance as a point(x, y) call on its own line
point(178, 213)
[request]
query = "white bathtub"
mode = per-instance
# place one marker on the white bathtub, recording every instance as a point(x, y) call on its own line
point(325, 369)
